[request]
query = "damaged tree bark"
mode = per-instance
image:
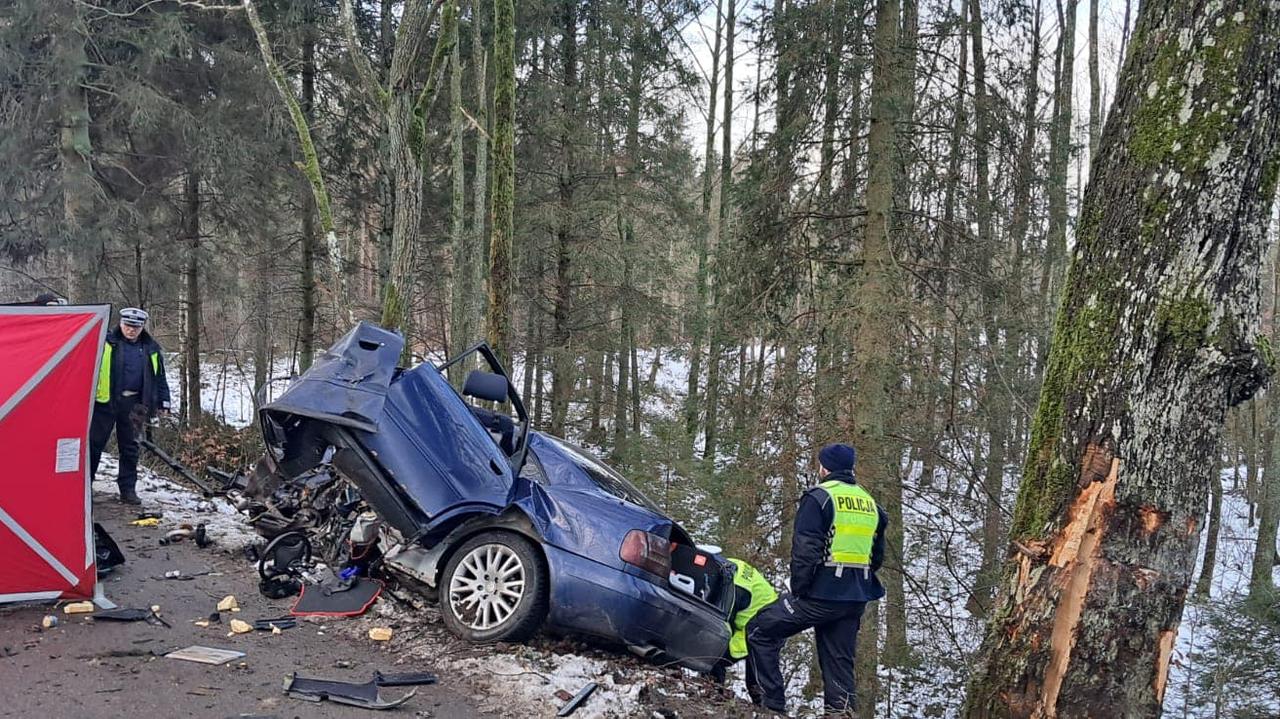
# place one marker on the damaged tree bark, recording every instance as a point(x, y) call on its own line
point(1153, 343)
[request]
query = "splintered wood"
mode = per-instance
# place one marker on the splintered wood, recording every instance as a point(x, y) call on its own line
point(1076, 553)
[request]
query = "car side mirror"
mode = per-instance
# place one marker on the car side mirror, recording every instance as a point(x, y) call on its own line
point(485, 385)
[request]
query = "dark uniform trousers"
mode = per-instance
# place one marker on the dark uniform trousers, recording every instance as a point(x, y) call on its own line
point(835, 625)
point(117, 415)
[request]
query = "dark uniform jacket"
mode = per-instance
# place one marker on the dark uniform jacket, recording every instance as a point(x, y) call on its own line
point(810, 577)
point(155, 386)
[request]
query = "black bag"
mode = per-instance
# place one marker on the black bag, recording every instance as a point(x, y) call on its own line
point(106, 552)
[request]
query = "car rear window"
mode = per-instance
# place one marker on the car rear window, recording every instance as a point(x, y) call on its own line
point(604, 476)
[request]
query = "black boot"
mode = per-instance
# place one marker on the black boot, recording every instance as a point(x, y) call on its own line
point(128, 496)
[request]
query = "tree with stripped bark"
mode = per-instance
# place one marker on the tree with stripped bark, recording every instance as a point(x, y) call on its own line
point(1155, 339)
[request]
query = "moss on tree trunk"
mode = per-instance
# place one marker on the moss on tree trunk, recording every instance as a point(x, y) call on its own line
point(1153, 343)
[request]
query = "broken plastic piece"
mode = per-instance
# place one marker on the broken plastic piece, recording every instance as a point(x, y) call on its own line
point(49, 621)
point(124, 615)
point(205, 655)
point(228, 603)
point(277, 623)
point(380, 634)
point(239, 627)
point(364, 695)
point(577, 701)
point(78, 608)
point(404, 679)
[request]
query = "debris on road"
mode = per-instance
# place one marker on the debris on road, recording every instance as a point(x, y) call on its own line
point(228, 603)
point(578, 700)
point(405, 679)
point(274, 625)
point(380, 634)
point(337, 600)
point(205, 655)
point(239, 627)
point(78, 608)
point(364, 695)
point(49, 622)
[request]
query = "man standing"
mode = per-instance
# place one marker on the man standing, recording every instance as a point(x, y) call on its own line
point(836, 550)
point(131, 388)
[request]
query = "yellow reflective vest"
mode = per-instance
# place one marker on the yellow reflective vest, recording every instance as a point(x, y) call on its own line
point(853, 526)
point(104, 373)
point(762, 595)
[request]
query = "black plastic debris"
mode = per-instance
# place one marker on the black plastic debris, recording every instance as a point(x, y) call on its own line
point(122, 615)
point(277, 623)
point(365, 696)
point(578, 700)
point(106, 553)
point(406, 679)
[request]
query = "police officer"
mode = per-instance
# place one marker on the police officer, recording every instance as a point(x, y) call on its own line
point(752, 592)
point(131, 388)
point(837, 547)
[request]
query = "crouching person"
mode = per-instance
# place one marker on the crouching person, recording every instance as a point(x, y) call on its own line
point(752, 592)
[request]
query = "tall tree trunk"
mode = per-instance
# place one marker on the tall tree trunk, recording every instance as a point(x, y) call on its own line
point(1205, 582)
point(701, 241)
point(620, 424)
point(1262, 588)
point(480, 204)
point(191, 411)
point(462, 328)
point(75, 147)
point(1095, 83)
point(563, 369)
point(262, 282)
point(712, 402)
point(1164, 277)
point(501, 277)
point(878, 318)
point(1059, 157)
point(307, 321)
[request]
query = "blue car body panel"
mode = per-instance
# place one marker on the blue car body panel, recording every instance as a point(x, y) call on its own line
point(432, 452)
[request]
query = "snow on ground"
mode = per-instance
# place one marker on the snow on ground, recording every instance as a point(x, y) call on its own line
point(178, 504)
point(531, 678)
point(226, 385)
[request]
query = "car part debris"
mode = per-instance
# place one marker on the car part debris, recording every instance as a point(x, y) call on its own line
point(279, 587)
point(277, 623)
point(228, 603)
point(239, 627)
point(404, 679)
point(124, 615)
point(49, 622)
point(106, 553)
point(202, 536)
point(578, 700)
point(204, 655)
point(380, 634)
point(149, 515)
point(288, 554)
point(323, 601)
point(364, 695)
point(78, 608)
point(178, 467)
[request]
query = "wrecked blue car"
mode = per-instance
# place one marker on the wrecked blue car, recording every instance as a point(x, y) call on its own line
point(511, 529)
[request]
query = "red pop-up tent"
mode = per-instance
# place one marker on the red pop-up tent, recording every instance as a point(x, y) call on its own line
point(48, 374)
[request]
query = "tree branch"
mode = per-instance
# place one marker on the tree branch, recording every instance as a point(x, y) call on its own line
point(364, 69)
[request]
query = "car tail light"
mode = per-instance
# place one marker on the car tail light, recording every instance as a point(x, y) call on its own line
point(646, 551)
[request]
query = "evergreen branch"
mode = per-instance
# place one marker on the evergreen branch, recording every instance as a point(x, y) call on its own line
point(363, 68)
point(311, 162)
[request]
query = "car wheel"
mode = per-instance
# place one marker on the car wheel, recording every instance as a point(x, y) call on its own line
point(494, 589)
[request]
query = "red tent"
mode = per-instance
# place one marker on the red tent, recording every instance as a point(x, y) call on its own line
point(48, 374)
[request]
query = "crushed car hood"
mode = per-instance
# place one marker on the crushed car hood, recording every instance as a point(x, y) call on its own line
point(348, 383)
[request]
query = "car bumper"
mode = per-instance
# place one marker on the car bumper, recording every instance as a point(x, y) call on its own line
point(591, 598)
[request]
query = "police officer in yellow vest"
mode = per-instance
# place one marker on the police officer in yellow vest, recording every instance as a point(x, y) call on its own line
point(752, 592)
point(131, 388)
point(836, 549)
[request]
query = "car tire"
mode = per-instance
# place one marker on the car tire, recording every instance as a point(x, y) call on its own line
point(494, 589)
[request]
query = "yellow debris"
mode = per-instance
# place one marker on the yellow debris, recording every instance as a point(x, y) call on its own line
point(380, 634)
point(148, 522)
point(239, 627)
point(78, 608)
point(202, 623)
point(228, 603)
